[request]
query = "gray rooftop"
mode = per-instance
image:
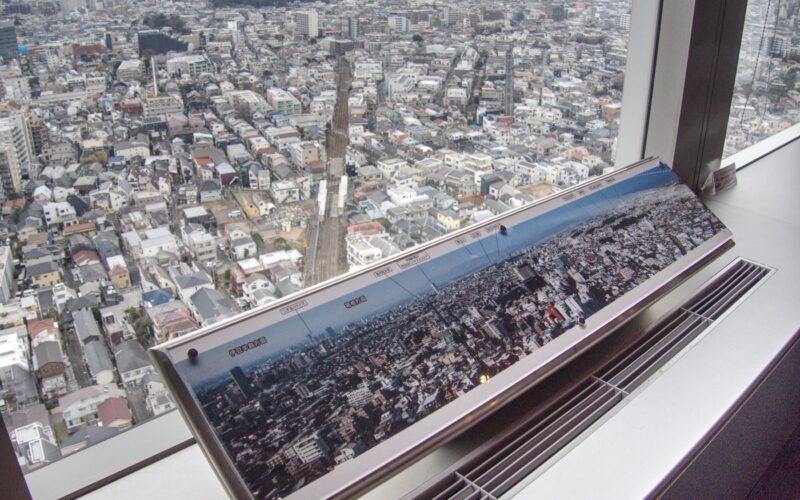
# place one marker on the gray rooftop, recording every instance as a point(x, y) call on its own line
point(131, 356)
point(90, 435)
point(48, 352)
point(85, 325)
point(212, 305)
point(97, 357)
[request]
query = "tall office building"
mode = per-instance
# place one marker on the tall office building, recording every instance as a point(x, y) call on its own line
point(350, 27)
point(307, 22)
point(8, 40)
point(15, 131)
point(10, 176)
point(241, 381)
point(398, 24)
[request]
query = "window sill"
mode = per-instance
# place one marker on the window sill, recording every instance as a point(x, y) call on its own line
point(764, 148)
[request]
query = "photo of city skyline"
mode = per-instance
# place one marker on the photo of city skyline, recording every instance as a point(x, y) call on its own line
point(328, 383)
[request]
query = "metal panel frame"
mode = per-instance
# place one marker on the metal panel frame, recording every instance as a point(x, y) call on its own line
point(697, 69)
point(393, 459)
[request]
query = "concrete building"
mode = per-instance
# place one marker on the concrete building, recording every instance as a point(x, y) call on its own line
point(398, 24)
point(10, 175)
point(192, 65)
point(8, 40)
point(59, 212)
point(360, 251)
point(307, 152)
point(130, 70)
point(307, 22)
point(283, 102)
point(6, 273)
point(80, 407)
point(14, 131)
point(162, 105)
point(351, 27)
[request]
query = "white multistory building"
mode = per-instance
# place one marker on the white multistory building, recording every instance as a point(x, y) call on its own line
point(15, 131)
point(283, 102)
point(307, 22)
point(10, 174)
point(398, 24)
point(192, 65)
point(6, 273)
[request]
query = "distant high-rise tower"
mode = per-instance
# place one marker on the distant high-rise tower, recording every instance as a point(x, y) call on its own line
point(351, 27)
point(241, 381)
point(307, 23)
point(398, 23)
point(109, 41)
point(8, 40)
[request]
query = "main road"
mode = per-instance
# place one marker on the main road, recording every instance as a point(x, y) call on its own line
point(324, 259)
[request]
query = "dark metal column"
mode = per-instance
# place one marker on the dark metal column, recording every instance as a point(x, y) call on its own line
point(13, 482)
point(710, 76)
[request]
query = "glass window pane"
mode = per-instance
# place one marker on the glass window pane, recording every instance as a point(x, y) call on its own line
point(766, 94)
point(165, 171)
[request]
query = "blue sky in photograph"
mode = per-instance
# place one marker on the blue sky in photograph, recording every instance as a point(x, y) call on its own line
point(402, 287)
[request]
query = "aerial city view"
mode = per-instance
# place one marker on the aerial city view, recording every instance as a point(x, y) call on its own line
point(166, 165)
point(297, 412)
point(765, 97)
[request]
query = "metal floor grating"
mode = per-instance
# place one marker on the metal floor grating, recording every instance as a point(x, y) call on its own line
point(498, 469)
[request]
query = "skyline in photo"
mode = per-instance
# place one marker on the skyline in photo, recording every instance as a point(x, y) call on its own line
point(405, 285)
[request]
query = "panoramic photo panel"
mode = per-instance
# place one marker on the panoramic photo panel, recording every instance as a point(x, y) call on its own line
point(292, 401)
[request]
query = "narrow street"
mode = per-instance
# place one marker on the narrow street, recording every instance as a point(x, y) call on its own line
point(75, 355)
point(136, 402)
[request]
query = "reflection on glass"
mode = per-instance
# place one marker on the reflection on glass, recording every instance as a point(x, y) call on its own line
point(765, 97)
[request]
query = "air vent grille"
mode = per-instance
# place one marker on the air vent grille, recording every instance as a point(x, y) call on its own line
point(497, 469)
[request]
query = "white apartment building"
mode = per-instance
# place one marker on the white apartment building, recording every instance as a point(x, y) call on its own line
point(361, 252)
point(202, 244)
point(17, 87)
point(10, 175)
point(80, 407)
point(15, 131)
point(6, 273)
point(36, 442)
point(59, 212)
point(132, 69)
point(162, 105)
point(307, 22)
point(13, 352)
point(390, 166)
point(398, 24)
point(304, 153)
point(283, 102)
point(151, 247)
point(284, 191)
point(192, 65)
point(309, 449)
point(248, 102)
